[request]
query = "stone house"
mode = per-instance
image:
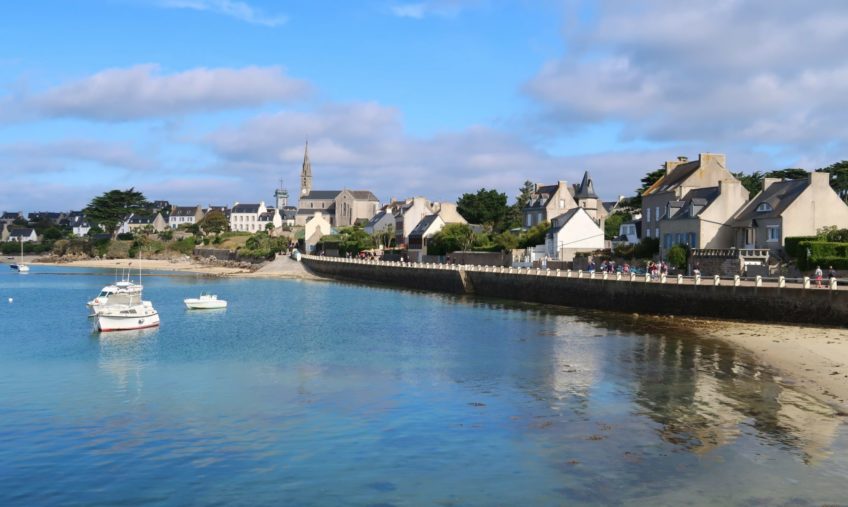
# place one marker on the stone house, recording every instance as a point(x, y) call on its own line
point(703, 217)
point(428, 227)
point(185, 215)
point(789, 208)
point(23, 235)
point(408, 215)
point(681, 177)
point(548, 201)
point(156, 222)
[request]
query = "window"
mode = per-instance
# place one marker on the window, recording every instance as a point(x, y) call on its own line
point(692, 240)
point(764, 206)
point(529, 218)
point(657, 232)
point(562, 203)
point(647, 233)
point(657, 214)
point(648, 219)
point(667, 241)
point(773, 233)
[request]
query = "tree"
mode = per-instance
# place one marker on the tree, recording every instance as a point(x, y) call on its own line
point(215, 222)
point(677, 256)
point(452, 238)
point(613, 223)
point(838, 177)
point(385, 237)
point(513, 218)
point(535, 235)
point(114, 207)
point(354, 240)
point(791, 173)
point(485, 207)
point(647, 180)
point(753, 182)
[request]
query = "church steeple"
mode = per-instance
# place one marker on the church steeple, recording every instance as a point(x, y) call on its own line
point(306, 173)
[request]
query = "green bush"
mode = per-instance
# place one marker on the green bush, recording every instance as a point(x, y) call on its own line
point(126, 236)
point(185, 246)
point(826, 262)
point(820, 250)
point(678, 255)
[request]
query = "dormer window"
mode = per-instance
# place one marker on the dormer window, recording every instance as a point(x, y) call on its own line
point(764, 206)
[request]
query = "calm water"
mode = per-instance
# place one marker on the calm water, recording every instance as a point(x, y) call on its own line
point(324, 394)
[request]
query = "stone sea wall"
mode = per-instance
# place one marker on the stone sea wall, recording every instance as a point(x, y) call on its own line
point(745, 302)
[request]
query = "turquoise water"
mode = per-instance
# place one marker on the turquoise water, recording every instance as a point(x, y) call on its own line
point(304, 393)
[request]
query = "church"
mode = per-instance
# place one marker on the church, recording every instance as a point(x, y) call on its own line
point(341, 207)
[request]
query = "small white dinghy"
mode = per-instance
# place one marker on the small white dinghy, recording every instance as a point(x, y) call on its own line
point(205, 302)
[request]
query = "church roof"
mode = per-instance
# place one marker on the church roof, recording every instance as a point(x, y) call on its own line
point(321, 194)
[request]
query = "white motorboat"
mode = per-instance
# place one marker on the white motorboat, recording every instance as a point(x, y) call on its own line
point(125, 286)
point(205, 302)
point(125, 312)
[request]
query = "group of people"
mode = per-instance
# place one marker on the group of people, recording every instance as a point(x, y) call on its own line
point(608, 267)
point(831, 274)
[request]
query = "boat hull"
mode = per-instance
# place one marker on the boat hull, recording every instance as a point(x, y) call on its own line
point(204, 305)
point(127, 319)
point(20, 268)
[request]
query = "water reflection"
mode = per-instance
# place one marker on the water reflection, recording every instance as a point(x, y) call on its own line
point(124, 354)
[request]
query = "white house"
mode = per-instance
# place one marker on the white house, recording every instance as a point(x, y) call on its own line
point(79, 225)
point(408, 216)
point(271, 216)
point(245, 217)
point(574, 231)
point(315, 228)
point(427, 227)
point(23, 235)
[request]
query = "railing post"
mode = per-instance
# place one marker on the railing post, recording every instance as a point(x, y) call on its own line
point(716, 280)
point(557, 273)
point(737, 281)
point(806, 282)
point(632, 277)
point(618, 277)
point(781, 281)
point(679, 279)
point(662, 278)
point(833, 284)
point(647, 277)
point(568, 273)
point(758, 281)
point(697, 279)
point(606, 275)
point(579, 273)
point(592, 275)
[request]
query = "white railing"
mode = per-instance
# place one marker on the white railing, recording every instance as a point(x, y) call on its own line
point(780, 282)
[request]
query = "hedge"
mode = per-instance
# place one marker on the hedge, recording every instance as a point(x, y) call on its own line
point(821, 252)
point(826, 262)
point(793, 248)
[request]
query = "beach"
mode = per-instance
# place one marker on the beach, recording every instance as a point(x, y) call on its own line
point(813, 359)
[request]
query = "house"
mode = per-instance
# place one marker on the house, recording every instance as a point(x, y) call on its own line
point(10, 216)
point(23, 235)
point(408, 215)
point(681, 176)
point(272, 217)
point(789, 208)
point(323, 201)
point(629, 233)
point(430, 225)
point(78, 224)
point(245, 217)
point(703, 217)
point(50, 217)
point(156, 222)
point(316, 228)
point(184, 215)
point(288, 215)
point(381, 222)
point(548, 201)
point(575, 231)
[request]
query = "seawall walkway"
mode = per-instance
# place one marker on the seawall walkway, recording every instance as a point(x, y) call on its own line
point(756, 300)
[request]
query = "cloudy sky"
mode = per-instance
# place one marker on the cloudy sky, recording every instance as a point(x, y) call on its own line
point(210, 101)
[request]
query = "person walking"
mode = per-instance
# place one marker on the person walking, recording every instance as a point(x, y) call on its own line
point(818, 275)
point(831, 273)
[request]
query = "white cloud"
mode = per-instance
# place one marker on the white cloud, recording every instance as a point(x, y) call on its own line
point(143, 91)
point(60, 156)
point(238, 10)
point(722, 73)
point(442, 8)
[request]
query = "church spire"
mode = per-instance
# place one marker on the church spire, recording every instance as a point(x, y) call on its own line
point(306, 173)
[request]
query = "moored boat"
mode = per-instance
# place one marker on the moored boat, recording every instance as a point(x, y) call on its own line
point(205, 302)
point(125, 312)
point(122, 287)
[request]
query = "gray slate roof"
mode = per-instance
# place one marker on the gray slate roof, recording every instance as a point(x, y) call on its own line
point(677, 176)
point(184, 211)
point(22, 232)
point(376, 218)
point(586, 189)
point(321, 194)
point(779, 196)
point(246, 208)
point(364, 195)
point(563, 219)
point(423, 225)
point(700, 197)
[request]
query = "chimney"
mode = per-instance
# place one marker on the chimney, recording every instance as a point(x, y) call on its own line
point(682, 159)
point(767, 182)
point(670, 165)
point(819, 179)
point(718, 158)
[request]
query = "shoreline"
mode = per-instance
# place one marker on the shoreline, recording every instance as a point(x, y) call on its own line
point(271, 270)
point(811, 359)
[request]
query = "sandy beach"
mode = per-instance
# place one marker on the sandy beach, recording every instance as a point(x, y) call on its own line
point(813, 359)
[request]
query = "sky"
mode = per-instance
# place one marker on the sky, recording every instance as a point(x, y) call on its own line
point(211, 101)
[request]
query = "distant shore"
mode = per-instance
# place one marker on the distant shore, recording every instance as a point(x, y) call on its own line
point(280, 268)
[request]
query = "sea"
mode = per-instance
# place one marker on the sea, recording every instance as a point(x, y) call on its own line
point(323, 393)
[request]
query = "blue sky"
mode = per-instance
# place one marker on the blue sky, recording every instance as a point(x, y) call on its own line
point(210, 101)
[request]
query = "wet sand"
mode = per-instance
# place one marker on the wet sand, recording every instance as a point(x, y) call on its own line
point(813, 359)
